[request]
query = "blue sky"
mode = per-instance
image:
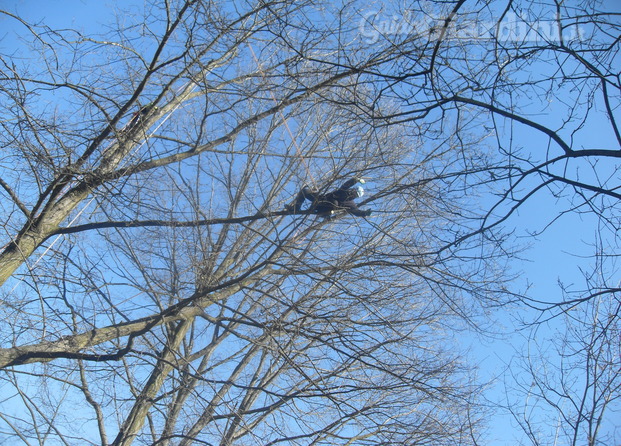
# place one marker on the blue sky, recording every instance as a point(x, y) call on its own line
point(81, 14)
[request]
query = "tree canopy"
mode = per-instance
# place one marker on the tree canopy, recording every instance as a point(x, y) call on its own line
point(156, 290)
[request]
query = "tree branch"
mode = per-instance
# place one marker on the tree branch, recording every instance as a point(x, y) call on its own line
point(15, 198)
point(71, 346)
point(175, 223)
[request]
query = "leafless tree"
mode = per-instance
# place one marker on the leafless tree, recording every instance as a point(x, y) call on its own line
point(157, 291)
point(572, 385)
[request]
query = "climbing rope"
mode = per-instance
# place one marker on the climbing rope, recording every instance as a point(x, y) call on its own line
point(122, 164)
point(285, 120)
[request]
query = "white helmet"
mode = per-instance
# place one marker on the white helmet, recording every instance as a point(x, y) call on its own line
point(359, 191)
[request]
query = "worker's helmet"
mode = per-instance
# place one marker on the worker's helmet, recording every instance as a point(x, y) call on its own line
point(359, 191)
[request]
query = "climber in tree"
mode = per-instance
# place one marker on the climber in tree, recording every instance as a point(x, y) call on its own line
point(139, 116)
point(327, 204)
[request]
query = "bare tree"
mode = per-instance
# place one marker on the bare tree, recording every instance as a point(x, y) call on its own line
point(153, 278)
point(572, 385)
point(155, 289)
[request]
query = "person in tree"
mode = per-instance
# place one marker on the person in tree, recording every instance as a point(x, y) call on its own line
point(139, 116)
point(330, 203)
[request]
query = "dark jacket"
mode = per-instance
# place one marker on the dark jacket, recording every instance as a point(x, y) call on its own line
point(344, 193)
point(339, 199)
